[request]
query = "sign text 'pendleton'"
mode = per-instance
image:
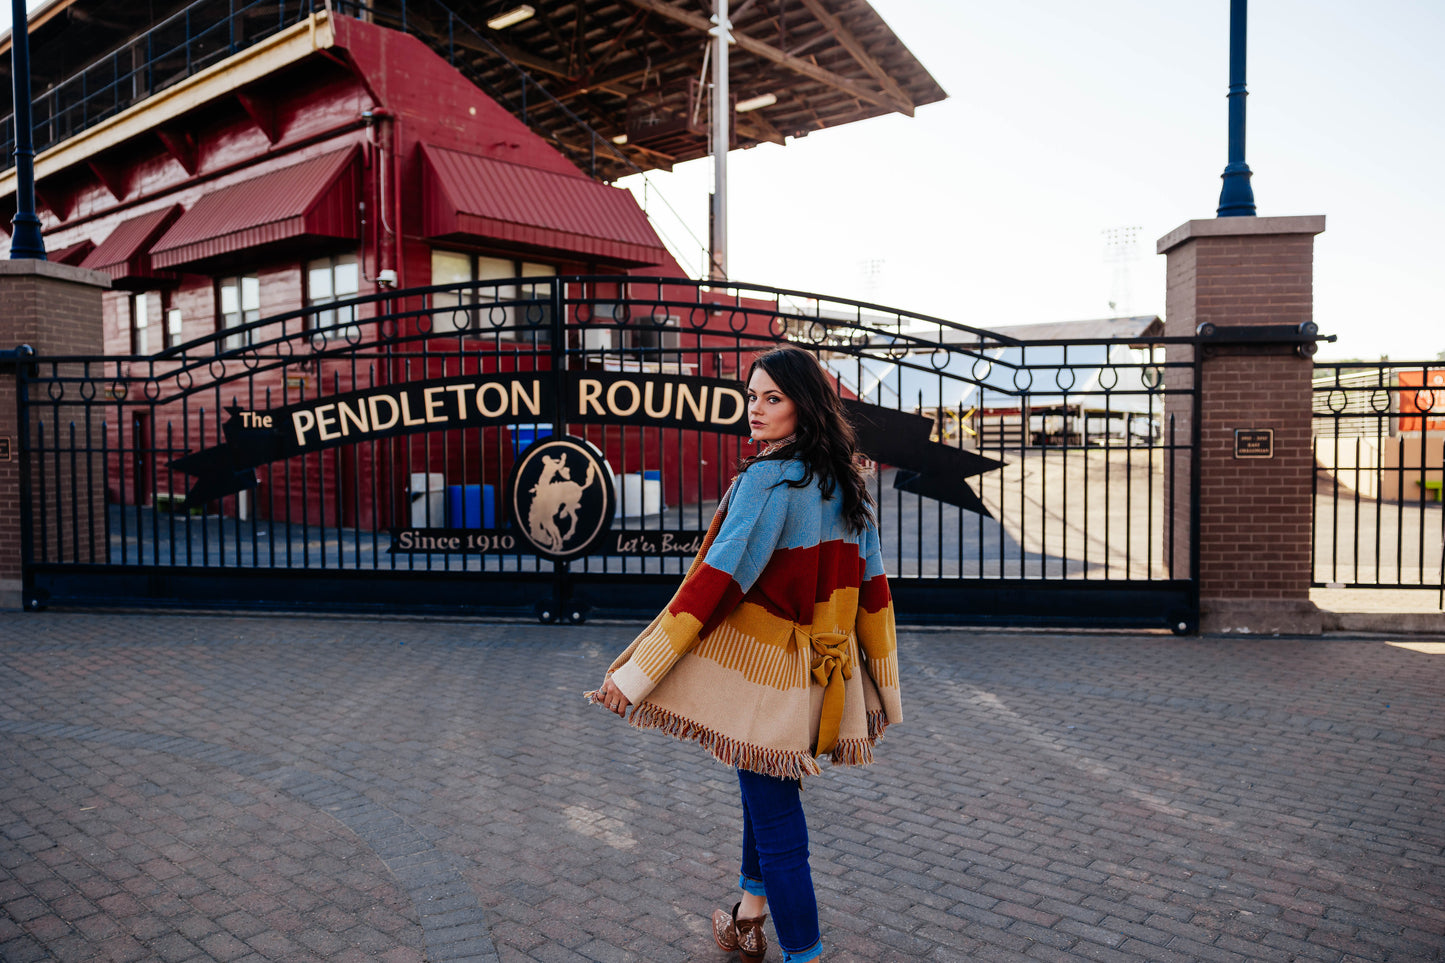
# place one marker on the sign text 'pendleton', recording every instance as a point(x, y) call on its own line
point(662, 400)
point(420, 407)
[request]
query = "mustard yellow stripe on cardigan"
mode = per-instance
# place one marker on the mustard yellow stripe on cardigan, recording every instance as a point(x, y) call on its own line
point(656, 652)
point(884, 673)
point(761, 663)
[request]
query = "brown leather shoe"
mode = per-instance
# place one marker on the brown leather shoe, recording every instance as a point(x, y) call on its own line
point(745, 936)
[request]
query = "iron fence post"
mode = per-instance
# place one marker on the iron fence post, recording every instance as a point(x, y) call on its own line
point(24, 360)
point(561, 583)
point(1196, 435)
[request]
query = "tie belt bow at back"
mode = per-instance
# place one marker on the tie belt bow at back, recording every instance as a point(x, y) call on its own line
point(831, 666)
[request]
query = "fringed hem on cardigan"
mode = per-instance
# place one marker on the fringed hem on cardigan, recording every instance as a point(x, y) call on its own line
point(877, 724)
point(782, 763)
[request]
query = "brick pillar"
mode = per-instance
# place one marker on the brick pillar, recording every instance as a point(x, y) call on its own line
point(1255, 513)
point(55, 309)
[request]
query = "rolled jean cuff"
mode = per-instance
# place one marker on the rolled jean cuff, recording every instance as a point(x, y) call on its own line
point(754, 886)
point(803, 956)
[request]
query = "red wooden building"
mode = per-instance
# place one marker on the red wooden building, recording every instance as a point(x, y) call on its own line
point(287, 165)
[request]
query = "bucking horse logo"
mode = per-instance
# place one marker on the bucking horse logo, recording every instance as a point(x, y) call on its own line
point(556, 496)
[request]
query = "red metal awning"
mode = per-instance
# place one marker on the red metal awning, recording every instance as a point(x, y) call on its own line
point(467, 197)
point(125, 254)
point(72, 253)
point(316, 199)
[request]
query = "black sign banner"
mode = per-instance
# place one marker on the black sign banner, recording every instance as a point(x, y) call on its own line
point(644, 399)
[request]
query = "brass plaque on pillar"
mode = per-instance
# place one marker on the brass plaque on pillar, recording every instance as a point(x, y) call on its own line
point(1254, 443)
point(5, 447)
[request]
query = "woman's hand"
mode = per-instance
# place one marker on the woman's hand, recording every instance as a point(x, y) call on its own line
point(611, 697)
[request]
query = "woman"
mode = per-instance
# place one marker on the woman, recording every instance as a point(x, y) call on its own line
point(779, 645)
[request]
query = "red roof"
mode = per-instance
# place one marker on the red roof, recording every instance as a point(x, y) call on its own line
point(126, 253)
point(473, 197)
point(317, 198)
point(71, 254)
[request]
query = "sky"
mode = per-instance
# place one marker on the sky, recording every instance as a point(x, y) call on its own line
point(1066, 120)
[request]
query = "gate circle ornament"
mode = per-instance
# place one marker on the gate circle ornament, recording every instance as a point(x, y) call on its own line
point(560, 497)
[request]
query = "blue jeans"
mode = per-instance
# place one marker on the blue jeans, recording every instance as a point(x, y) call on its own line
point(775, 862)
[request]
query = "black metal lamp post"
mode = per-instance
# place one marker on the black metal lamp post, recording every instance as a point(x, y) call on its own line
point(1236, 199)
point(25, 240)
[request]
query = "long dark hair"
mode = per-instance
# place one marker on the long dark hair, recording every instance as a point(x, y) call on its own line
point(825, 441)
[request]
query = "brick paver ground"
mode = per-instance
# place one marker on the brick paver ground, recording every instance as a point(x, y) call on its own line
point(180, 787)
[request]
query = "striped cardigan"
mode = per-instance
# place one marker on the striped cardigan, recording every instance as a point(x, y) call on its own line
point(779, 645)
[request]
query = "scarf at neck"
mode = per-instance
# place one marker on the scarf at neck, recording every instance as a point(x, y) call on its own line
point(771, 446)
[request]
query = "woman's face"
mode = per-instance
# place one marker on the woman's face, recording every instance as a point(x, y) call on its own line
point(771, 414)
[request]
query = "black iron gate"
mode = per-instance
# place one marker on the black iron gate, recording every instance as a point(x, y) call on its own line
point(1379, 452)
point(357, 455)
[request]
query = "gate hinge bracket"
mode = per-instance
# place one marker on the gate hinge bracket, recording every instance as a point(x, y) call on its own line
point(1305, 336)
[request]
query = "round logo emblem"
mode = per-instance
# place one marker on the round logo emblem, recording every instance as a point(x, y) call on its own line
point(562, 496)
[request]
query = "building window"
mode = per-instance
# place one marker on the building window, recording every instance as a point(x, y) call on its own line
point(452, 267)
point(488, 307)
point(173, 327)
point(140, 322)
point(329, 280)
point(240, 299)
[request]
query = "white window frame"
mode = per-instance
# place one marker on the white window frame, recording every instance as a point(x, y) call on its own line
point(475, 317)
point(139, 321)
point(339, 271)
point(243, 308)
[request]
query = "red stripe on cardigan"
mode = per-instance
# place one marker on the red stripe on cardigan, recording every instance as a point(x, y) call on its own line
point(874, 595)
point(806, 576)
point(793, 576)
point(709, 595)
